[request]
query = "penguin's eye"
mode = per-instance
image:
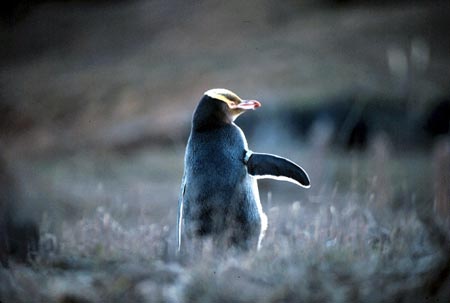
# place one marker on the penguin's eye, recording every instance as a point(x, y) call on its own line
point(232, 104)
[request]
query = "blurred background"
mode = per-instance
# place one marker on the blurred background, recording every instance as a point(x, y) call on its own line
point(96, 100)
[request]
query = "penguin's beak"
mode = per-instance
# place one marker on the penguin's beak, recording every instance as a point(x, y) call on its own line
point(247, 104)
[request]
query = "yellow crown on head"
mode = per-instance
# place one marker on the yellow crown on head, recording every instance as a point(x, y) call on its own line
point(224, 95)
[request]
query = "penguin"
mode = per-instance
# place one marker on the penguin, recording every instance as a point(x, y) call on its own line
point(219, 195)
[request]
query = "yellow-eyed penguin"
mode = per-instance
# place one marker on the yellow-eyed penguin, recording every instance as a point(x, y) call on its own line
point(219, 194)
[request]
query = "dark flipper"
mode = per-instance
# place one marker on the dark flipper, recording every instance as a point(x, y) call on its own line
point(275, 167)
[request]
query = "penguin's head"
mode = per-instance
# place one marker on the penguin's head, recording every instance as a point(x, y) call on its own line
point(236, 105)
point(220, 105)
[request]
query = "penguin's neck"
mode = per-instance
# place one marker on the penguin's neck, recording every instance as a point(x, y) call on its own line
point(210, 114)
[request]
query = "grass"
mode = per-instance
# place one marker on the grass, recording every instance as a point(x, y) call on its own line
point(342, 243)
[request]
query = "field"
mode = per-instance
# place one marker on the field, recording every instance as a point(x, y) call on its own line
point(367, 239)
point(95, 108)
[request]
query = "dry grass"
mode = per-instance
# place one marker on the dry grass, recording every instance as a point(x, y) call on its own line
point(343, 243)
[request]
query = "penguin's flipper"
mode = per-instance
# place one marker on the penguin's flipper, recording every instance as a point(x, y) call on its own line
point(275, 167)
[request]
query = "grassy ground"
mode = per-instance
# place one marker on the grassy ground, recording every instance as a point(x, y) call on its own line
point(109, 235)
